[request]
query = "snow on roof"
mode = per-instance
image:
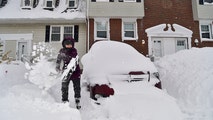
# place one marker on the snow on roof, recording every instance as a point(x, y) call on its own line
point(13, 10)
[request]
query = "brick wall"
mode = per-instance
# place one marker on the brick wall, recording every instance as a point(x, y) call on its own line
point(170, 12)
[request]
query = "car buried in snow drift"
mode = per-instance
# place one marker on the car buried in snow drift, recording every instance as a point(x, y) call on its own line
point(108, 62)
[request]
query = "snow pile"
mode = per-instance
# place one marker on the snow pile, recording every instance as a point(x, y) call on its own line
point(113, 58)
point(187, 75)
point(22, 100)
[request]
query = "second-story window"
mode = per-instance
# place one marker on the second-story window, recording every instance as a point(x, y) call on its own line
point(129, 29)
point(101, 29)
point(206, 31)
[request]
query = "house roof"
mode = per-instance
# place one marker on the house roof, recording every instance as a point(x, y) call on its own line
point(13, 13)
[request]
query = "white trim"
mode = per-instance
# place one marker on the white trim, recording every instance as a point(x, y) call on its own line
point(104, 21)
point(75, 4)
point(129, 0)
point(61, 32)
point(158, 31)
point(29, 47)
point(130, 20)
point(45, 3)
point(206, 22)
point(24, 6)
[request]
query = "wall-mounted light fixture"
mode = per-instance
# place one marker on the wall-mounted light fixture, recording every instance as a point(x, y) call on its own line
point(196, 42)
point(143, 42)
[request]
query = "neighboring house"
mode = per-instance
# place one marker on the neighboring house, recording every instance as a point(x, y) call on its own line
point(119, 20)
point(202, 12)
point(154, 28)
point(24, 23)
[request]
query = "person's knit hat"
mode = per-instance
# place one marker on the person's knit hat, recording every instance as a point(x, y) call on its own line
point(68, 41)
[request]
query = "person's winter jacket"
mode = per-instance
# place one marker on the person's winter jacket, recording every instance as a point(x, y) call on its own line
point(65, 55)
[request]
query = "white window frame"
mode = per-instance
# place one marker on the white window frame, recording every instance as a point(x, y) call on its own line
point(180, 40)
point(61, 32)
point(207, 3)
point(75, 4)
point(104, 21)
point(209, 23)
point(134, 22)
point(129, 0)
point(24, 6)
point(102, 0)
point(45, 4)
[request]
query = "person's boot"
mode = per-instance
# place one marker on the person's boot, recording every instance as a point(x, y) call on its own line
point(77, 102)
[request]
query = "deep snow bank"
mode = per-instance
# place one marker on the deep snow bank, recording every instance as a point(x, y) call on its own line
point(22, 100)
point(188, 76)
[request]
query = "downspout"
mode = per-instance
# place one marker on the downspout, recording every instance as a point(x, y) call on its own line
point(88, 26)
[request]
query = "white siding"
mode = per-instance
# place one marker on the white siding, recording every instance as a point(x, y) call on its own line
point(116, 9)
point(202, 11)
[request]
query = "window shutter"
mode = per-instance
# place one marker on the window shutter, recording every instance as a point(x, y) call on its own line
point(120, 0)
point(201, 2)
point(76, 32)
point(111, 0)
point(138, 0)
point(93, 0)
point(47, 34)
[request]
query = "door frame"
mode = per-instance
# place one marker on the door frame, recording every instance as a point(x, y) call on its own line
point(28, 43)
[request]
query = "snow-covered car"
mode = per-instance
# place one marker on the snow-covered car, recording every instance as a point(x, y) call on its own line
point(108, 61)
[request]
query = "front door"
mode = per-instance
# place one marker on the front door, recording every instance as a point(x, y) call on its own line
point(22, 49)
point(157, 47)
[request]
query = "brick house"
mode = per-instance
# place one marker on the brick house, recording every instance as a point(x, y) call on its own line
point(202, 12)
point(29, 22)
point(154, 28)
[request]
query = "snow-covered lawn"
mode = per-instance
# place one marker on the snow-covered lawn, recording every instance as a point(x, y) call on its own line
point(186, 76)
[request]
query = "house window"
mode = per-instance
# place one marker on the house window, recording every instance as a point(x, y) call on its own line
point(26, 2)
point(101, 30)
point(129, 29)
point(208, 1)
point(68, 31)
point(72, 3)
point(129, 0)
point(49, 3)
point(205, 31)
point(180, 45)
point(58, 33)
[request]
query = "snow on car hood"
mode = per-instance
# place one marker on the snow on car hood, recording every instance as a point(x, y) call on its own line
point(113, 58)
